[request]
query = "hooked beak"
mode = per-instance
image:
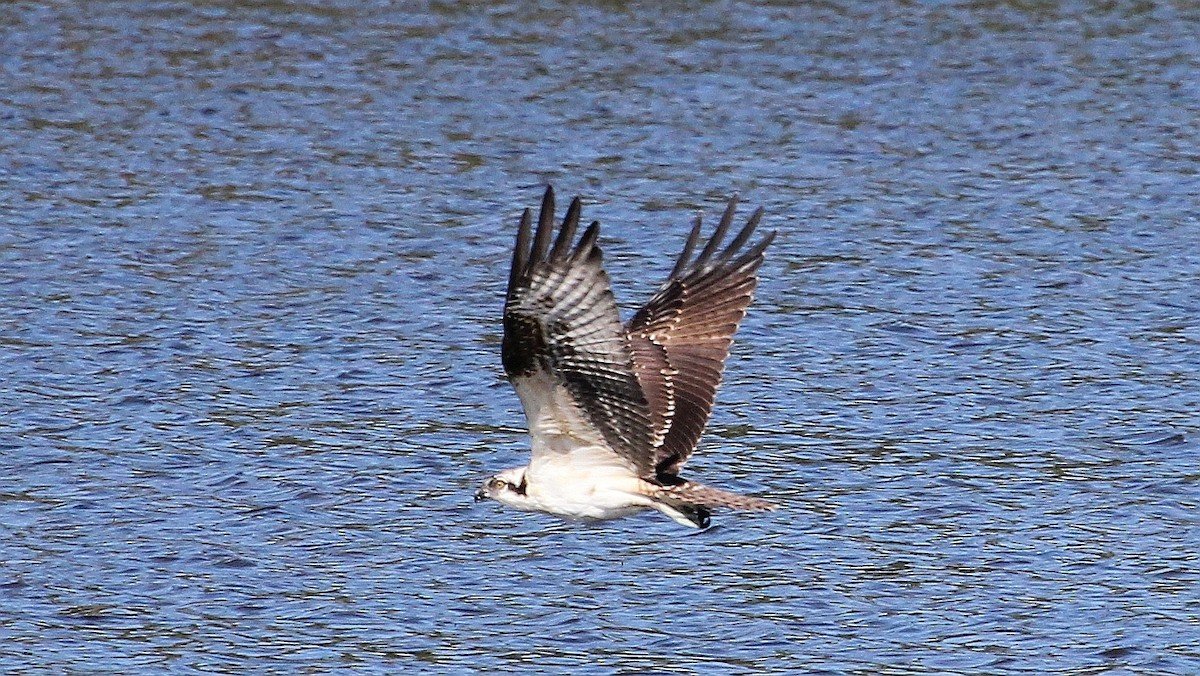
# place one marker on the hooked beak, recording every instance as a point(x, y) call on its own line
point(480, 495)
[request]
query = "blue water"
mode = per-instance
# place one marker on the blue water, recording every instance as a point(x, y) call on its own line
point(252, 259)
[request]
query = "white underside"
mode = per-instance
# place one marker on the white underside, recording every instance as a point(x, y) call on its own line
point(573, 471)
point(591, 498)
point(561, 488)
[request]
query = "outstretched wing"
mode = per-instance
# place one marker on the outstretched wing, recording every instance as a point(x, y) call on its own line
point(681, 338)
point(564, 348)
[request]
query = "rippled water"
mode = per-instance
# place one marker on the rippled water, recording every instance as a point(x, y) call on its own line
point(252, 259)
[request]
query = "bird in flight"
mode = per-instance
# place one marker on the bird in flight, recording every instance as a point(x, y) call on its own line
point(614, 410)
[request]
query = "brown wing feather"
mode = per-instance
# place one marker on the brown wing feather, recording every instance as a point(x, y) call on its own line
point(681, 338)
point(560, 317)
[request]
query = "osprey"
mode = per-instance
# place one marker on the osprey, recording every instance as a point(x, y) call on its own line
point(615, 410)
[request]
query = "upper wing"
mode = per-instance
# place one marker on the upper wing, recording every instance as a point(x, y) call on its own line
point(562, 330)
point(681, 338)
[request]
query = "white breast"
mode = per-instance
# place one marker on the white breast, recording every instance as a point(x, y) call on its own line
point(573, 471)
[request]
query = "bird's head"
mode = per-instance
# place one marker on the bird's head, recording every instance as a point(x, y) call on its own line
point(507, 487)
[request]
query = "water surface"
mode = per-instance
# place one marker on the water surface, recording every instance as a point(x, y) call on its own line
point(252, 259)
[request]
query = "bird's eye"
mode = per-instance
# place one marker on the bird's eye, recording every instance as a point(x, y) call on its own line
point(497, 484)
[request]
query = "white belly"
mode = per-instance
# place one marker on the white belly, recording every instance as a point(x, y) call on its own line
point(573, 472)
point(585, 493)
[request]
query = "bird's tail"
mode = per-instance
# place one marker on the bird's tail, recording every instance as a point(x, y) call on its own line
point(692, 493)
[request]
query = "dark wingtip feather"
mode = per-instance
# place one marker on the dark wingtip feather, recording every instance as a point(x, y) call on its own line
point(744, 235)
point(587, 243)
point(719, 234)
point(762, 244)
point(520, 258)
point(767, 239)
point(569, 225)
point(545, 226)
point(688, 247)
point(754, 256)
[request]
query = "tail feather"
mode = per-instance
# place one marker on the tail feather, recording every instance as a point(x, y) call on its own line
point(706, 496)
